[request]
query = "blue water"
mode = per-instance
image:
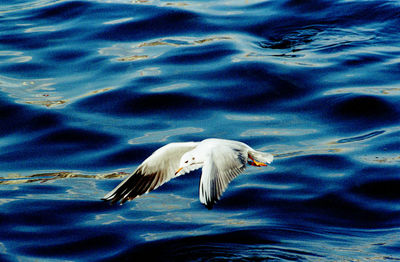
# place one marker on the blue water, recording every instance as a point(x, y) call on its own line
point(88, 89)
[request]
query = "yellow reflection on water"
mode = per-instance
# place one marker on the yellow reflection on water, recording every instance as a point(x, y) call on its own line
point(156, 43)
point(368, 90)
point(132, 58)
point(390, 159)
point(40, 92)
point(154, 48)
point(14, 178)
point(47, 103)
point(176, 4)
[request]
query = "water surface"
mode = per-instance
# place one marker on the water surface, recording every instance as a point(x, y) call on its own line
point(88, 89)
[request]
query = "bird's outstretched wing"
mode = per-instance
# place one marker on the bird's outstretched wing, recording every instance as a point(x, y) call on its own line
point(223, 165)
point(157, 169)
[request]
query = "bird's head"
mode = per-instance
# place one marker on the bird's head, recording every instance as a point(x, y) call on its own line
point(189, 161)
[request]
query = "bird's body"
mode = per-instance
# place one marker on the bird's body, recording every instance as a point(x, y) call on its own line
point(222, 160)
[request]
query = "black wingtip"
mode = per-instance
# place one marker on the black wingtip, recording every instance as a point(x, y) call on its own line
point(112, 199)
point(209, 206)
point(107, 200)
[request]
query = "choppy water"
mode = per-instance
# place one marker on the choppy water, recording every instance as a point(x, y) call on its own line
point(90, 88)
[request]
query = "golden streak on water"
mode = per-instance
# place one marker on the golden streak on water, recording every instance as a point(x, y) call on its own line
point(129, 53)
point(176, 4)
point(13, 179)
point(47, 103)
point(368, 90)
point(205, 40)
point(100, 91)
point(58, 102)
point(186, 42)
point(381, 159)
point(132, 58)
point(156, 43)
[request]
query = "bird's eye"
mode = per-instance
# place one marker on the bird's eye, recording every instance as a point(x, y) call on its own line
point(192, 158)
point(186, 161)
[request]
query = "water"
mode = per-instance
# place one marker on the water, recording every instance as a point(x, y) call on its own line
point(90, 88)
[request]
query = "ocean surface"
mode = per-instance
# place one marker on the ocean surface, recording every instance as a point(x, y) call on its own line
point(89, 89)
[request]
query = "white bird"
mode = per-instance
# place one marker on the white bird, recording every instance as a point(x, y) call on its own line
point(222, 160)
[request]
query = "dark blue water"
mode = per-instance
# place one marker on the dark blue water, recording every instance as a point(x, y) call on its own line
point(90, 88)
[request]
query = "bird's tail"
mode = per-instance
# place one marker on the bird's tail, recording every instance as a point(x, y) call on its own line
point(262, 156)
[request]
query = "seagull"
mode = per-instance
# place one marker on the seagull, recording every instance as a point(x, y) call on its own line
point(221, 161)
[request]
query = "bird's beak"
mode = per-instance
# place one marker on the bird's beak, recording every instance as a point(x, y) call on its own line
point(179, 170)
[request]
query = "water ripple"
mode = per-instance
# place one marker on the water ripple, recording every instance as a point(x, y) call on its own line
point(360, 138)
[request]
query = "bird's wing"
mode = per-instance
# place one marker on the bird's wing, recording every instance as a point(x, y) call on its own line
point(157, 169)
point(222, 166)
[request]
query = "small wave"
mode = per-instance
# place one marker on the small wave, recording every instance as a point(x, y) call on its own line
point(387, 189)
point(315, 38)
point(14, 179)
point(243, 245)
point(361, 138)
